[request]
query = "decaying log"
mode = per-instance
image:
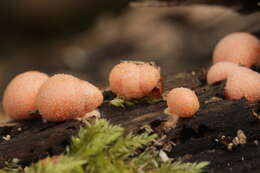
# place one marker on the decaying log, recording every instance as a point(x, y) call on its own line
point(208, 136)
point(32, 140)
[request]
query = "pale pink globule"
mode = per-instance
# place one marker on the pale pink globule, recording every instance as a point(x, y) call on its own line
point(239, 47)
point(182, 102)
point(19, 99)
point(220, 71)
point(134, 80)
point(65, 97)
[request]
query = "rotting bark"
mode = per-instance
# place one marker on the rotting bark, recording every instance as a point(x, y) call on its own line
point(205, 137)
point(33, 139)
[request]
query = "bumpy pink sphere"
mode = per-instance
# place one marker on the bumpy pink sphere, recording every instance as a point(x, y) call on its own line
point(243, 83)
point(134, 80)
point(220, 71)
point(61, 98)
point(19, 98)
point(240, 48)
point(65, 97)
point(182, 102)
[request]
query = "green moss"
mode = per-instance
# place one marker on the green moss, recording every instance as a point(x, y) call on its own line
point(101, 147)
point(122, 102)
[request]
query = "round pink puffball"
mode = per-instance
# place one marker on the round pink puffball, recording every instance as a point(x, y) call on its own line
point(64, 97)
point(61, 98)
point(220, 71)
point(134, 80)
point(243, 82)
point(182, 102)
point(19, 98)
point(240, 48)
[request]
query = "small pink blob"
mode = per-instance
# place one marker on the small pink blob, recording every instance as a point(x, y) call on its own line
point(61, 98)
point(65, 97)
point(240, 48)
point(243, 83)
point(134, 80)
point(220, 71)
point(19, 99)
point(182, 102)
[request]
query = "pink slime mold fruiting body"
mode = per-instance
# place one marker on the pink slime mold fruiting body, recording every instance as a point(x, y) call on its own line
point(220, 71)
point(182, 102)
point(19, 99)
point(134, 80)
point(65, 97)
point(240, 48)
point(243, 82)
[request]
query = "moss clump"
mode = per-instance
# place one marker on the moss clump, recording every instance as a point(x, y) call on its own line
point(101, 147)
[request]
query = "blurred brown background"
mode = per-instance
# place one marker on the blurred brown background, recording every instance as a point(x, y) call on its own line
point(87, 37)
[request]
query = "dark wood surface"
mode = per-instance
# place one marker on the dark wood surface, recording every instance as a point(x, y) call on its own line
point(205, 137)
